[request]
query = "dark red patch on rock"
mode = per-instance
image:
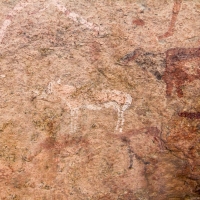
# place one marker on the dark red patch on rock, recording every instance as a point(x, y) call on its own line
point(190, 115)
point(175, 75)
point(139, 22)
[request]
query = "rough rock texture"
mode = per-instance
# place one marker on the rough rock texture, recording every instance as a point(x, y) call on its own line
point(100, 99)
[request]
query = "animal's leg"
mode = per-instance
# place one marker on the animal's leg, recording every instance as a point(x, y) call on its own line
point(121, 111)
point(118, 109)
point(179, 91)
point(169, 88)
point(74, 119)
point(120, 120)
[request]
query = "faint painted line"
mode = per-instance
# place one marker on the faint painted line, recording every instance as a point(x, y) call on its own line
point(175, 12)
point(71, 15)
point(75, 17)
point(20, 6)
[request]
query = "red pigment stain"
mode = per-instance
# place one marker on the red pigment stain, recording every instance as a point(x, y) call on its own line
point(171, 29)
point(190, 115)
point(154, 132)
point(175, 76)
point(138, 22)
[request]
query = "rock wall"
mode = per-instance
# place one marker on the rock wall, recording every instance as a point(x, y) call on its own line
point(100, 99)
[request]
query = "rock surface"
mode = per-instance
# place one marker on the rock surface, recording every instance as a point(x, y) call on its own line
point(100, 99)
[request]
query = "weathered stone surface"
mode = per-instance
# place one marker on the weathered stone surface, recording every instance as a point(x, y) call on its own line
point(100, 99)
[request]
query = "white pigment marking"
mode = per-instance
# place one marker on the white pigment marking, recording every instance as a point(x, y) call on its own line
point(5, 25)
point(75, 17)
point(93, 107)
point(2, 75)
point(20, 6)
point(71, 15)
point(49, 88)
point(115, 99)
point(74, 118)
point(59, 6)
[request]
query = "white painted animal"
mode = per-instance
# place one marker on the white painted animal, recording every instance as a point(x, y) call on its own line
point(115, 99)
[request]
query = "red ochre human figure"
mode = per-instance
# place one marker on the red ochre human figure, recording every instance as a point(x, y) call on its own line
point(175, 12)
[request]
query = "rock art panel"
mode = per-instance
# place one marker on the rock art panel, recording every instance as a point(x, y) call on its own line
point(114, 99)
point(182, 67)
point(97, 102)
point(23, 4)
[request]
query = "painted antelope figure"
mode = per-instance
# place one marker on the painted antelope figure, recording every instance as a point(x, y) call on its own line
point(115, 99)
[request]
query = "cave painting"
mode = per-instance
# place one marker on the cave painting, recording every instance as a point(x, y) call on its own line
point(60, 7)
point(182, 66)
point(175, 12)
point(117, 100)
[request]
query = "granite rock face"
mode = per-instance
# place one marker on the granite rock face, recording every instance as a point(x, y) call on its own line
point(100, 99)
